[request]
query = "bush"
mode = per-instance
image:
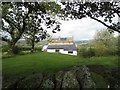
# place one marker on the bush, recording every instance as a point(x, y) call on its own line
point(27, 48)
point(101, 50)
point(24, 48)
point(87, 52)
point(91, 52)
point(38, 48)
point(5, 48)
point(16, 50)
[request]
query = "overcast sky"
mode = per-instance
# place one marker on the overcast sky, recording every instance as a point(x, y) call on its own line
point(82, 29)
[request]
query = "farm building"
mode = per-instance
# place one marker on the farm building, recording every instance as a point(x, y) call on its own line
point(62, 45)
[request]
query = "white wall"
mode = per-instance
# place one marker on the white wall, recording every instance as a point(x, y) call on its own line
point(74, 53)
point(50, 50)
point(71, 43)
point(66, 52)
point(62, 51)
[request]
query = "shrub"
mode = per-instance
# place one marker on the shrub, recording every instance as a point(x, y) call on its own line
point(101, 50)
point(91, 52)
point(86, 52)
point(5, 48)
point(38, 48)
point(24, 48)
point(16, 50)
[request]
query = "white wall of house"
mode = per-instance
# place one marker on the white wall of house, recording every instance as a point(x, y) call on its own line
point(50, 50)
point(74, 53)
point(61, 43)
point(62, 51)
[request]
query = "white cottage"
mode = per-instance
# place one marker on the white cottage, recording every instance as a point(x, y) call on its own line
point(62, 45)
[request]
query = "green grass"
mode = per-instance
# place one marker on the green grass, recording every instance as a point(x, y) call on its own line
point(25, 65)
point(44, 62)
point(37, 62)
point(108, 61)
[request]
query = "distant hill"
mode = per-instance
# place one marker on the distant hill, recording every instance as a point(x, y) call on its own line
point(82, 42)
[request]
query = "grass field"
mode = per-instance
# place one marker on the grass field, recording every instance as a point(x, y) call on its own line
point(42, 62)
point(37, 62)
point(49, 62)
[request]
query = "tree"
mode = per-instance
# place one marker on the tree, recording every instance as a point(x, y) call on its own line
point(12, 14)
point(16, 15)
point(104, 36)
point(104, 43)
point(35, 32)
point(94, 10)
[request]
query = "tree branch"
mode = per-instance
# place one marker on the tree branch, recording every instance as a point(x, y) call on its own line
point(5, 39)
point(10, 22)
point(105, 24)
point(117, 12)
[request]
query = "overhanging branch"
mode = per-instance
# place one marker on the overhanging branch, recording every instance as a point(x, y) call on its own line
point(117, 30)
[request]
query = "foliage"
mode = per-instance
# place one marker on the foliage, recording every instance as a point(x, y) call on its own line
point(105, 43)
point(36, 31)
point(5, 48)
point(100, 49)
point(94, 10)
point(18, 17)
point(104, 36)
point(25, 48)
point(16, 50)
point(19, 50)
point(86, 52)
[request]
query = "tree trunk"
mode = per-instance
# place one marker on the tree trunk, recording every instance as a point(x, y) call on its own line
point(32, 49)
point(11, 48)
point(33, 45)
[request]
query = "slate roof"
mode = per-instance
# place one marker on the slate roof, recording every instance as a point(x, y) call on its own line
point(65, 47)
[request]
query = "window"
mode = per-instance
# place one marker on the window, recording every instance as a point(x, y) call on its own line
point(57, 50)
point(70, 51)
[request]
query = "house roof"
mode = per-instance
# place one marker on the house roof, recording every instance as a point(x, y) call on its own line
point(61, 40)
point(65, 47)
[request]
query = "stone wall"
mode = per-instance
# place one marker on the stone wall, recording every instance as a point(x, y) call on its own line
point(77, 77)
